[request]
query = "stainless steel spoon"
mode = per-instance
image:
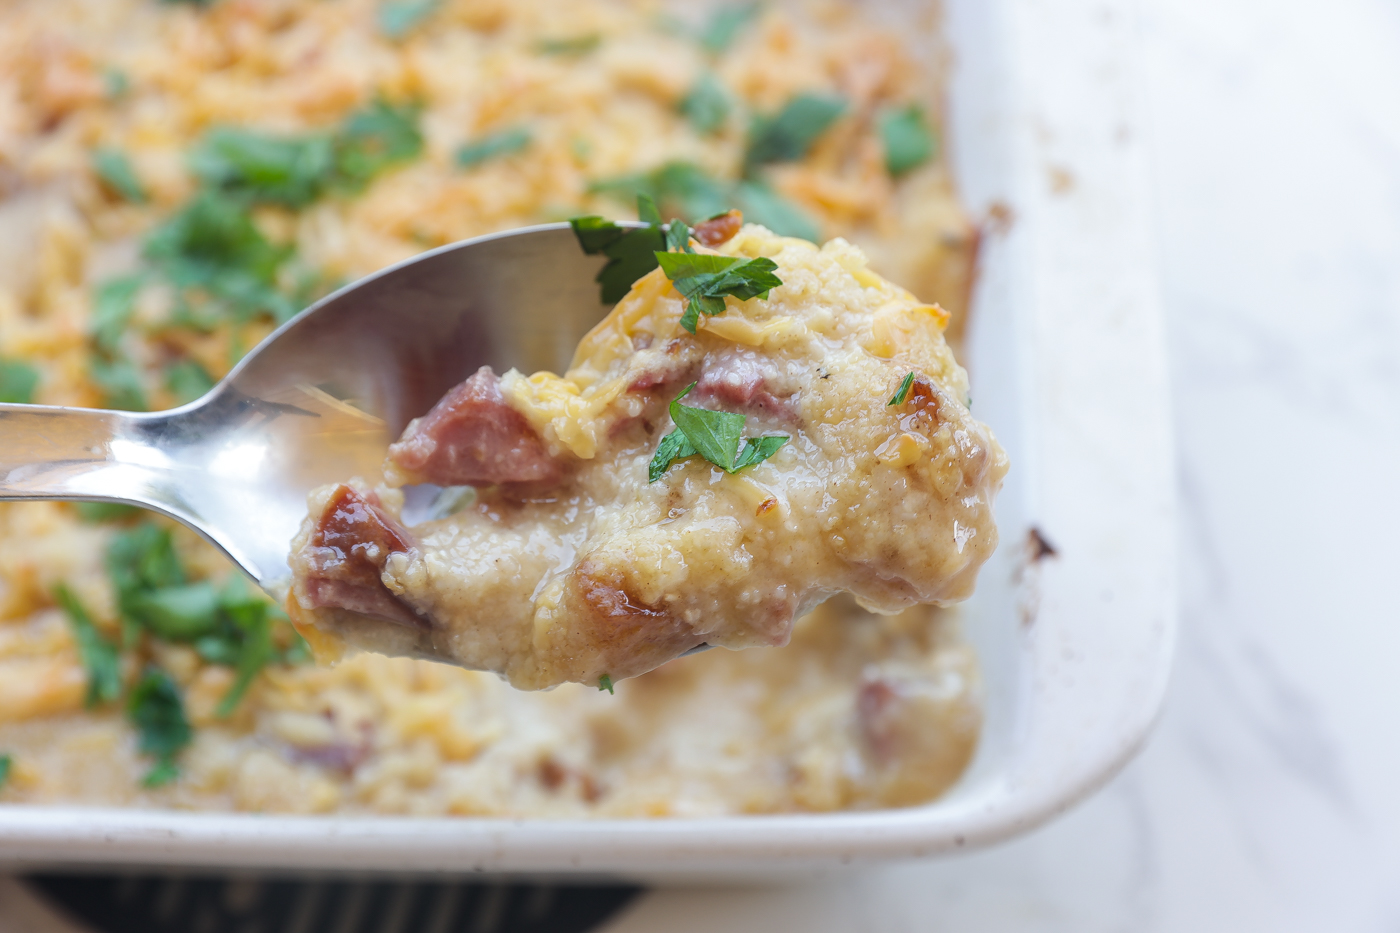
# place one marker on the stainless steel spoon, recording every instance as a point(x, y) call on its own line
point(320, 399)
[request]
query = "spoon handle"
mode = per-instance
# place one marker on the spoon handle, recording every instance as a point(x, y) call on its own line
point(48, 452)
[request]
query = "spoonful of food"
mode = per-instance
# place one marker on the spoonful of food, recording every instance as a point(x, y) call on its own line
point(757, 424)
point(320, 399)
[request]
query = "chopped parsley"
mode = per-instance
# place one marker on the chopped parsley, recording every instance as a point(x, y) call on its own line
point(725, 24)
point(632, 252)
point(762, 205)
point(114, 168)
point(158, 713)
point(688, 191)
point(18, 380)
point(187, 380)
point(493, 145)
point(902, 392)
point(120, 382)
point(577, 45)
point(270, 169)
point(704, 280)
point(714, 435)
point(212, 246)
point(95, 512)
point(228, 625)
point(115, 83)
point(6, 763)
point(397, 18)
point(788, 135)
point(112, 308)
point(99, 655)
point(707, 104)
point(907, 139)
point(605, 682)
point(373, 139)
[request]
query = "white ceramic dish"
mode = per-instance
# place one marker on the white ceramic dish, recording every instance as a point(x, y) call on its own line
point(1067, 362)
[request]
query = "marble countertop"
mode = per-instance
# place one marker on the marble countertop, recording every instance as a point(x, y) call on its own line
point(1269, 796)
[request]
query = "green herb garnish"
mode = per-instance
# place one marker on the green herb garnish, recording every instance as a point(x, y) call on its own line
point(605, 683)
point(907, 138)
point(95, 512)
point(902, 392)
point(114, 168)
point(578, 45)
point(762, 205)
point(120, 382)
point(18, 380)
point(725, 25)
point(112, 307)
point(373, 139)
point(6, 763)
point(158, 713)
point(274, 169)
point(707, 104)
point(632, 251)
point(704, 280)
point(789, 134)
point(493, 145)
point(680, 188)
point(99, 655)
point(398, 18)
point(116, 83)
point(213, 247)
point(714, 435)
point(187, 380)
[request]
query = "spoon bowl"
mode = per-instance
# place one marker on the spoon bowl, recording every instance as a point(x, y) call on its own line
point(320, 399)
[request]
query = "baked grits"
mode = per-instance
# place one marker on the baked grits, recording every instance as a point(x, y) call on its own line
point(103, 106)
point(577, 562)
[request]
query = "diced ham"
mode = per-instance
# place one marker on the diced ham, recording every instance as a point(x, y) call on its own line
point(719, 229)
point(740, 381)
point(473, 438)
point(353, 539)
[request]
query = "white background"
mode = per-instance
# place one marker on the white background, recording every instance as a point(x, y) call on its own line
point(1269, 796)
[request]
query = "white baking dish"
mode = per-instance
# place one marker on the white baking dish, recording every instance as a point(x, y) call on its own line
point(1067, 362)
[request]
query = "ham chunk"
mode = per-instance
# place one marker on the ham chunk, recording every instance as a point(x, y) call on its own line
point(346, 555)
point(473, 438)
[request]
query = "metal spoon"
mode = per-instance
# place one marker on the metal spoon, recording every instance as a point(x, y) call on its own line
point(320, 399)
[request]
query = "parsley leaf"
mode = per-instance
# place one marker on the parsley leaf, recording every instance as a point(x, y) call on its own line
point(605, 682)
point(175, 613)
point(501, 143)
point(704, 280)
point(578, 45)
point(158, 713)
point(250, 616)
point(114, 168)
point(212, 246)
point(187, 380)
point(725, 24)
point(762, 205)
point(678, 238)
point(99, 655)
point(273, 169)
point(632, 252)
point(6, 763)
point(18, 380)
point(714, 435)
point(95, 512)
point(674, 446)
point(707, 105)
point(789, 134)
point(902, 392)
point(646, 209)
point(372, 140)
point(907, 139)
point(398, 18)
point(121, 383)
point(680, 188)
point(112, 308)
point(759, 449)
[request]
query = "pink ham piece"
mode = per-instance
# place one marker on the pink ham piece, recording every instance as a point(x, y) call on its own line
point(473, 438)
point(347, 552)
